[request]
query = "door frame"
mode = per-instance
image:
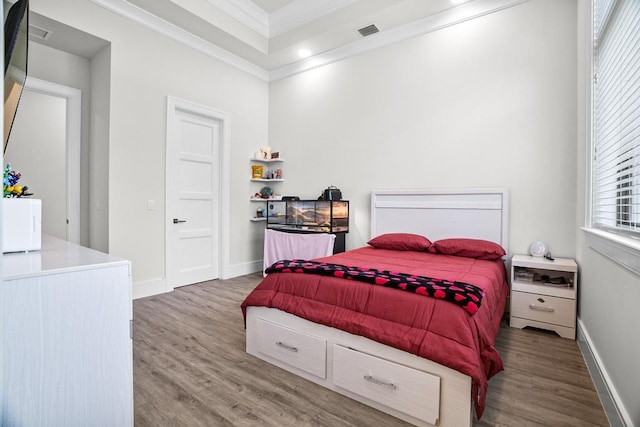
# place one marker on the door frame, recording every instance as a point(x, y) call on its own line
point(173, 106)
point(73, 134)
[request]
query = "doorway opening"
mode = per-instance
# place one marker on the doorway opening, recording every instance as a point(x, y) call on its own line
point(45, 148)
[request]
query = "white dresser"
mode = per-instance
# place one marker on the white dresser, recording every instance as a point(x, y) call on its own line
point(65, 327)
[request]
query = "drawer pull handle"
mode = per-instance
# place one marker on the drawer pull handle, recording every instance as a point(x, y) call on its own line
point(286, 347)
point(386, 384)
point(537, 307)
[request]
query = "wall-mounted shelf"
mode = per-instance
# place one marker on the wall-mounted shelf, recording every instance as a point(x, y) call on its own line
point(266, 180)
point(266, 160)
point(256, 199)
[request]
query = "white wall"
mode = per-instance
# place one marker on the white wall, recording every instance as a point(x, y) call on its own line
point(608, 293)
point(489, 102)
point(145, 68)
point(608, 313)
point(99, 150)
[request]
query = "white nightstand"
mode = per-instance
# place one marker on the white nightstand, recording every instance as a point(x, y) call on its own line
point(543, 294)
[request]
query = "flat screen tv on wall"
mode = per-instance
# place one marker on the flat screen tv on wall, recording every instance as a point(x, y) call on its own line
point(16, 41)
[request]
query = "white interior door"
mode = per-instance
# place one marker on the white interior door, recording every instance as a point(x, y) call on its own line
point(193, 197)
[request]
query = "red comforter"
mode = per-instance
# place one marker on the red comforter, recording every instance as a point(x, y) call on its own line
point(434, 329)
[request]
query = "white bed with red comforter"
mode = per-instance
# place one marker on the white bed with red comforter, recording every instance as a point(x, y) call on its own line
point(404, 350)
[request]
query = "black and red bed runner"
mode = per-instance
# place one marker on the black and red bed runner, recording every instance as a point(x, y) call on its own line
point(463, 294)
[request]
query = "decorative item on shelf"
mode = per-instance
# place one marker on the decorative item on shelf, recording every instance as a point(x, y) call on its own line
point(259, 213)
point(260, 198)
point(538, 249)
point(22, 217)
point(266, 192)
point(266, 152)
point(256, 171)
point(257, 155)
point(273, 174)
point(275, 155)
point(10, 187)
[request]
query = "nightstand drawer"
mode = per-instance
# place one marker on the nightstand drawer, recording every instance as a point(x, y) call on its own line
point(544, 308)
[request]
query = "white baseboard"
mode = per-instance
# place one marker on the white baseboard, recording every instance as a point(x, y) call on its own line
point(618, 411)
point(242, 269)
point(149, 287)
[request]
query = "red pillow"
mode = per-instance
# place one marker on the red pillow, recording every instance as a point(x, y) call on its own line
point(471, 248)
point(401, 242)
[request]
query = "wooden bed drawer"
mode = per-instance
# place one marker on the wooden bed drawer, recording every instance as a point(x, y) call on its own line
point(405, 389)
point(292, 347)
point(544, 308)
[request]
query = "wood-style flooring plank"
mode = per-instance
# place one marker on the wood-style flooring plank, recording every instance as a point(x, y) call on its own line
point(191, 369)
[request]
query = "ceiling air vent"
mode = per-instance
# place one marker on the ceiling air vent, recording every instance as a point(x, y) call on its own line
point(38, 32)
point(368, 30)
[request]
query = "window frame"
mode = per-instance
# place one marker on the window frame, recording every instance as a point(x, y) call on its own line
point(616, 243)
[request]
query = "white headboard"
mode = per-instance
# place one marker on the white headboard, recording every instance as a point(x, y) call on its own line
point(474, 213)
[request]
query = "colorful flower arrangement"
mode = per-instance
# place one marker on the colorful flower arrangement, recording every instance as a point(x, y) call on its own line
point(10, 187)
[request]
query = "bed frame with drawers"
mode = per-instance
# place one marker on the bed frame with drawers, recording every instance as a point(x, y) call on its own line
point(409, 387)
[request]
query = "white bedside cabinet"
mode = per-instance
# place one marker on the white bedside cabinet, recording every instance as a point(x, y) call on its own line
point(543, 294)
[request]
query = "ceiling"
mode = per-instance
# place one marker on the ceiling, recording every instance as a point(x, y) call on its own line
point(269, 33)
point(264, 37)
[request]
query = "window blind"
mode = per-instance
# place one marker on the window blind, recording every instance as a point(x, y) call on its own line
point(616, 115)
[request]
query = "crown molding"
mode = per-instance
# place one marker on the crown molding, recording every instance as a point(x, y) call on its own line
point(452, 16)
point(247, 13)
point(288, 17)
point(151, 21)
point(444, 19)
point(300, 12)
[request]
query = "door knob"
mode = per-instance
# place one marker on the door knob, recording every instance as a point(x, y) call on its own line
point(177, 221)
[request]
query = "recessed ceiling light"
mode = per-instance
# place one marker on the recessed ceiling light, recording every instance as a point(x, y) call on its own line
point(304, 53)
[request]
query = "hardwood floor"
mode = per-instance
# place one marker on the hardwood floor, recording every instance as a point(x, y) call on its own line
point(190, 369)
